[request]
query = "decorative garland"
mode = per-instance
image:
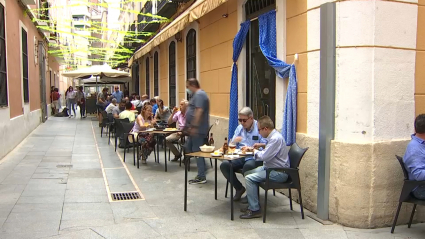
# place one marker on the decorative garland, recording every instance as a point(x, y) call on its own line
point(68, 43)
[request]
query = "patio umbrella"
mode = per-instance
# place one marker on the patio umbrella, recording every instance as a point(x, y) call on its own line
point(96, 71)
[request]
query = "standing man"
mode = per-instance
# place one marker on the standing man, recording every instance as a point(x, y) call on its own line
point(180, 118)
point(81, 101)
point(414, 157)
point(55, 100)
point(197, 125)
point(118, 94)
point(275, 155)
point(246, 135)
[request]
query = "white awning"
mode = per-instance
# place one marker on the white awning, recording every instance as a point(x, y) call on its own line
point(194, 12)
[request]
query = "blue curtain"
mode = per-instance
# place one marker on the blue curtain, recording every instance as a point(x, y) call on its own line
point(267, 25)
point(237, 48)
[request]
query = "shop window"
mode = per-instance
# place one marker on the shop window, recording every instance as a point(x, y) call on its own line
point(172, 74)
point(25, 83)
point(147, 77)
point(155, 75)
point(3, 68)
point(191, 55)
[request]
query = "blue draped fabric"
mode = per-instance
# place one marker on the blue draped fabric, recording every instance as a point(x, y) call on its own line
point(237, 48)
point(267, 25)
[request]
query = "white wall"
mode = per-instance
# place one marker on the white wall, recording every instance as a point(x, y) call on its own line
point(13, 131)
point(375, 81)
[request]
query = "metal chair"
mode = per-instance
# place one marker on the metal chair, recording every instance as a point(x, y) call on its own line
point(119, 130)
point(406, 194)
point(111, 126)
point(104, 123)
point(127, 127)
point(295, 155)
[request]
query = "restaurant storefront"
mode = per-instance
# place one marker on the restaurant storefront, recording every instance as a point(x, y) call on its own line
point(376, 98)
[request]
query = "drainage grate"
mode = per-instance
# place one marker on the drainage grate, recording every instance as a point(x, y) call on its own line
point(126, 196)
point(64, 166)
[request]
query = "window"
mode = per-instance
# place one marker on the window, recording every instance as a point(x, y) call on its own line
point(172, 74)
point(155, 75)
point(191, 55)
point(25, 66)
point(3, 69)
point(147, 77)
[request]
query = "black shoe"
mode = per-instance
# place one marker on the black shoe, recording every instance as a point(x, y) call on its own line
point(198, 180)
point(176, 158)
point(239, 194)
point(244, 209)
point(251, 214)
point(244, 200)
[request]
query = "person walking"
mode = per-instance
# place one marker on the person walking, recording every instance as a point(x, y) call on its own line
point(81, 102)
point(197, 125)
point(70, 96)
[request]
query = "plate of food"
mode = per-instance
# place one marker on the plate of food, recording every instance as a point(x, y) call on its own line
point(217, 153)
point(171, 129)
point(247, 151)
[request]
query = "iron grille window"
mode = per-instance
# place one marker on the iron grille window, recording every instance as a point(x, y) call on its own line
point(147, 77)
point(191, 55)
point(3, 69)
point(172, 74)
point(155, 75)
point(254, 8)
point(25, 66)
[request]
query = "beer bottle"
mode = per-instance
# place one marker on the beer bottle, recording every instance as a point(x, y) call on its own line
point(225, 146)
point(211, 142)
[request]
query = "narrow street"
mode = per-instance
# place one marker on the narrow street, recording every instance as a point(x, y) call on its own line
point(55, 184)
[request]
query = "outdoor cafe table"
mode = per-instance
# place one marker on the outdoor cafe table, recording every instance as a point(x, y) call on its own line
point(158, 133)
point(221, 158)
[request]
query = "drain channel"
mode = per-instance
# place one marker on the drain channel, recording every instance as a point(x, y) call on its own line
point(128, 196)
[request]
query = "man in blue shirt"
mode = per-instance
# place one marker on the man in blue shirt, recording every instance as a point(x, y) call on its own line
point(117, 94)
point(246, 134)
point(275, 155)
point(154, 106)
point(414, 157)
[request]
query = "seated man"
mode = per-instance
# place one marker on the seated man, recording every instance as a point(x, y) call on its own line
point(154, 105)
point(414, 157)
point(180, 118)
point(246, 134)
point(136, 101)
point(117, 110)
point(275, 155)
point(144, 100)
point(111, 106)
point(127, 114)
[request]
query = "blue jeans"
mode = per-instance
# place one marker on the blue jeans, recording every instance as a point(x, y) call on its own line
point(237, 165)
point(192, 145)
point(419, 193)
point(256, 176)
point(71, 106)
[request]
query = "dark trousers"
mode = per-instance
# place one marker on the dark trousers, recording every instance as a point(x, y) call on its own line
point(237, 165)
point(82, 109)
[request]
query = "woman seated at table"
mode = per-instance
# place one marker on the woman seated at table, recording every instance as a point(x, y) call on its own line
point(143, 122)
point(163, 112)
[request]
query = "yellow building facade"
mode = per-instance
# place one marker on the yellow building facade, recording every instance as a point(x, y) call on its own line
point(380, 88)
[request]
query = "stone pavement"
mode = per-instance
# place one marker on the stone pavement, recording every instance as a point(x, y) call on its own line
point(53, 186)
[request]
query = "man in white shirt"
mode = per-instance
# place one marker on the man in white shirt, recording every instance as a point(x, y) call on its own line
point(111, 106)
point(136, 102)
